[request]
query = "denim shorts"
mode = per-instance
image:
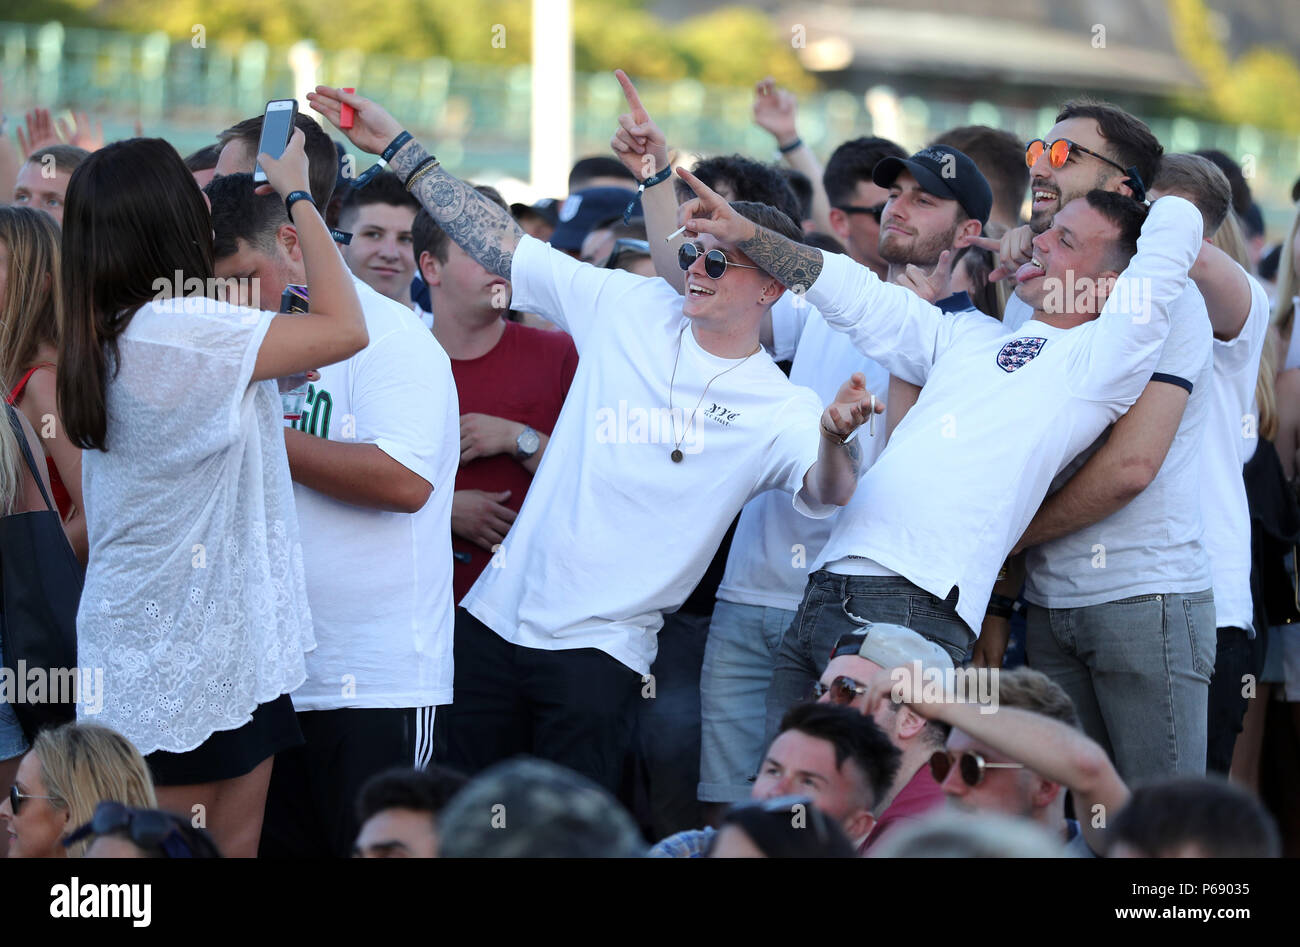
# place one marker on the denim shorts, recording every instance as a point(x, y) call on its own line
point(12, 741)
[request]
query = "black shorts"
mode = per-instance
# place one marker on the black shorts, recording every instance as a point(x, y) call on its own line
point(231, 753)
point(311, 808)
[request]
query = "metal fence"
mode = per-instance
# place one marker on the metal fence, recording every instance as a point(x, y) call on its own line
point(477, 115)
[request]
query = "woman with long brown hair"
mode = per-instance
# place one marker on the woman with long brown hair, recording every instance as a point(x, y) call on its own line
point(31, 311)
point(195, 603)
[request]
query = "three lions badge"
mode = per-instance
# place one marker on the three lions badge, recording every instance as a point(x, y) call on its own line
point(1019, 352)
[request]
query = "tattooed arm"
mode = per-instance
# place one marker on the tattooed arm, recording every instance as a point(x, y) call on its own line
point(480, 227)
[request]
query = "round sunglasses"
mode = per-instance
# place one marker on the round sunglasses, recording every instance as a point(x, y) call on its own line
point(970, 765)
point(1058, 152)
point(842, 690)
point(715, 261)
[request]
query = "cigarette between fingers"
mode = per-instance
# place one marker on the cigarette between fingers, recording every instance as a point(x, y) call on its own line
point(675, 234)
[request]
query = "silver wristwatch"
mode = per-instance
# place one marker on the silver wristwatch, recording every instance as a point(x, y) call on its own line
point(527, 444)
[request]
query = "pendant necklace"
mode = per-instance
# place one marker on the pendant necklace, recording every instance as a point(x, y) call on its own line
point(677, 455)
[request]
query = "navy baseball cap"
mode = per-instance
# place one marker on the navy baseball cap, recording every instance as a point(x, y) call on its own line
point(583, 211)
point(548, 208)
point(944, 172)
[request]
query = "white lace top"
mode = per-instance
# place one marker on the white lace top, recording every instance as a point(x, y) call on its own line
point(195, 604)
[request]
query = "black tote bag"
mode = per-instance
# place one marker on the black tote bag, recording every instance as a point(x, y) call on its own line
point(40, 588)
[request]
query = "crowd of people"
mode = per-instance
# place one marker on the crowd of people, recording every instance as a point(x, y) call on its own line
point(924, 503)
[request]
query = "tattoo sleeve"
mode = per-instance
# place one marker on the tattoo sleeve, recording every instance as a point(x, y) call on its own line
point(797, 266)
point(481, 228)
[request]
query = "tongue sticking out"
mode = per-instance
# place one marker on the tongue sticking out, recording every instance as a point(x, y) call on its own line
point(1028, 271)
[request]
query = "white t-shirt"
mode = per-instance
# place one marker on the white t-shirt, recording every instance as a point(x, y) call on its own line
point(613, 533)
point(1000, 414)
point(1016, 313)
point(789, 317)
point(379, 583)
point(1231, 435)
point(1152, 544)
point(774, 544)
point(194, 601)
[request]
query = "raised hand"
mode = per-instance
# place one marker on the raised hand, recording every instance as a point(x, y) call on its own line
point(708, 213)
point(81, 133)
point(40, 132)
point(852, 407)
point(373, 128)
point(776, 111)
point(931, 286)
point(638, 143)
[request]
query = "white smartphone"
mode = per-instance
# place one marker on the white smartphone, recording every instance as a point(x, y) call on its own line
point(277, 126)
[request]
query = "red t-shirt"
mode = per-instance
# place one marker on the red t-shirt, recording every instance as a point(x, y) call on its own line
point(920, 796)
point(524, 378)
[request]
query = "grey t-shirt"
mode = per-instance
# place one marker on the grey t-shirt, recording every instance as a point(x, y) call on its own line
point(1152, 544)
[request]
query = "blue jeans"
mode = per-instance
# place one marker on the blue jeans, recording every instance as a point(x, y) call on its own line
point(738, 662)
point(1138, 671)
point(835, 604)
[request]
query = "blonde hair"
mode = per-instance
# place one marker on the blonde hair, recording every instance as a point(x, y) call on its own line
point(1231, 240)
point(11, 464)
point(31, 312)
point(85, 764)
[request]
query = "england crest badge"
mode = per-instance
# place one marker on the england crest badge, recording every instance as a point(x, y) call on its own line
point(1019, 352)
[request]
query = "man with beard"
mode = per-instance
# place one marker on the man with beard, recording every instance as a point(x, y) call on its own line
point(1114, 557)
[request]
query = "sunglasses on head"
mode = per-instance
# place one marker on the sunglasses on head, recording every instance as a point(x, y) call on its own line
point(970, 765)
point(842, 690)
point(625, 246)
point(875, 212)
point(150, 830)
point(16, 798)
point(715, 261)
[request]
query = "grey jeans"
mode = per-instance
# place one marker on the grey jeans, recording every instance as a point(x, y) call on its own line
point(1138, 670)
point(834, 604)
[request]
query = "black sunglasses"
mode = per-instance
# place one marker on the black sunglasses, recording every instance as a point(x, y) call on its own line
point(715, 261)
point(626, 245)
point(842, 690)
point(970, 765)
point(875, 212)
point(16, 798)
point(151, 830)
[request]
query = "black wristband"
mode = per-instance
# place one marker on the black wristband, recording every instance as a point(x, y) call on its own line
point(651, 181)
point(1000, 606)
point(393, 148)
point(786, 149)
point(294, 197)
point(417, 169)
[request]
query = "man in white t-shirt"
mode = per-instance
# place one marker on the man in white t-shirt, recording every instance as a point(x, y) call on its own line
point(674, 419)
point(1116, 554)
point(767, 568)
point(1000, 415)
point(1239, 314)
point(373, 457)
